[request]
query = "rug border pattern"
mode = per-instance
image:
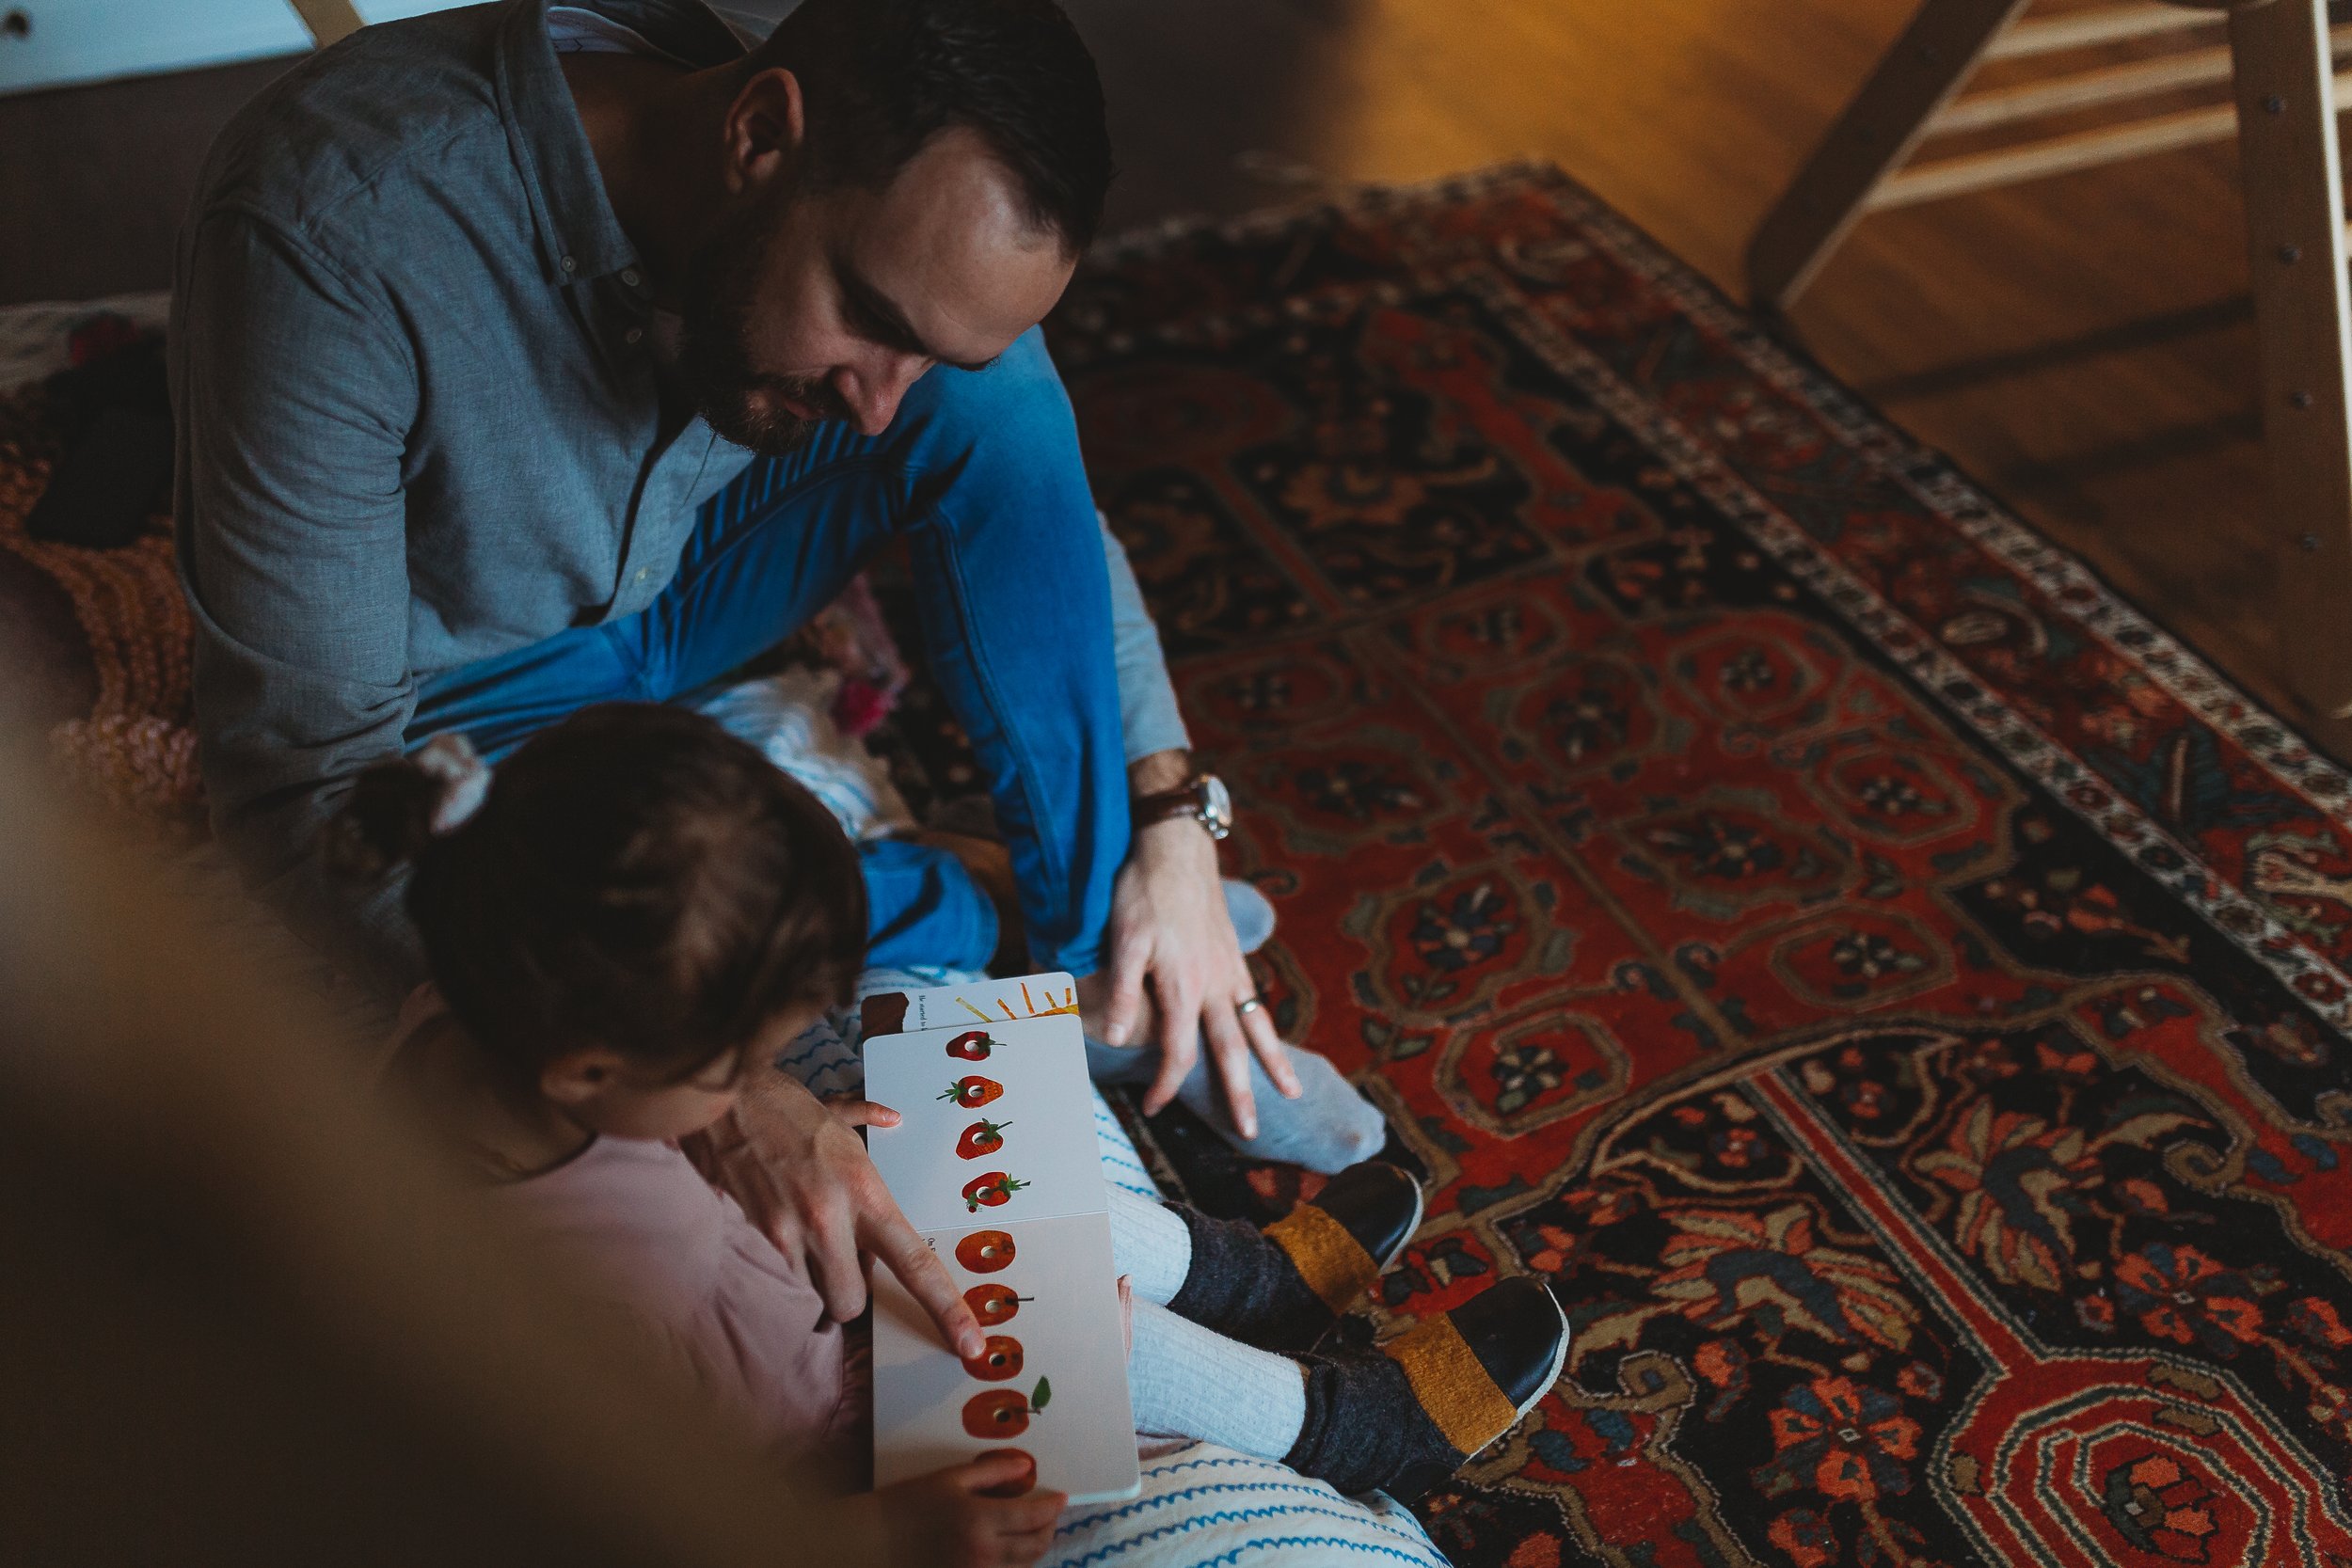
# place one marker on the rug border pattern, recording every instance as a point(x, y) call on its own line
point(2075, 591)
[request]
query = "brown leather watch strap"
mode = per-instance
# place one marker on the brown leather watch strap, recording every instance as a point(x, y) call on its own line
point(1184, 800)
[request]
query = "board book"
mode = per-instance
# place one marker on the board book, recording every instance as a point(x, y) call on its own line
point(994, 1162)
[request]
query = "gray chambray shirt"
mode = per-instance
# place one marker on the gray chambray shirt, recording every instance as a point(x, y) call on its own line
point(421, 421)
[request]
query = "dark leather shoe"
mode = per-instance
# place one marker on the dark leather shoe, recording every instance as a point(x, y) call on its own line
point(1337, 1244)
point(1377, 1204)
point(1284, 1288)
point(1403, 1416)
point(1519, 1336)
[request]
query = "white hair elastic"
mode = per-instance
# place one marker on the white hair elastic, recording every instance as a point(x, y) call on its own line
point(463, 780)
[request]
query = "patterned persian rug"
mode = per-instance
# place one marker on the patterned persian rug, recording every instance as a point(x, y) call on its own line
point(1894, 992)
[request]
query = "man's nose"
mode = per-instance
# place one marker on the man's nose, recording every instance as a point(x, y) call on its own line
point(872, 391)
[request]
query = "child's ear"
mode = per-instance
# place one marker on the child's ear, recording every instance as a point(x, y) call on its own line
point(579, 1077)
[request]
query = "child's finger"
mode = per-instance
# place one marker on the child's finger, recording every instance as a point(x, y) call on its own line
point(996, 1468)
point(1020, 1551)
point(1021, 1482)
point(1036, 1512)
point(862, 1112)
point(1032, 1515)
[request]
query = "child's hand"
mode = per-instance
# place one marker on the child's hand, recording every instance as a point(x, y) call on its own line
point(946, 1518)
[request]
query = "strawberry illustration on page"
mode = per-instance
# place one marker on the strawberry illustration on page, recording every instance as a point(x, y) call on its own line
point(972, 1092)
point(985, 1252)
point(1005, 1412)
point(982, 1139)
point(992, 1304)
point(993, 1189)
point(999, 1359)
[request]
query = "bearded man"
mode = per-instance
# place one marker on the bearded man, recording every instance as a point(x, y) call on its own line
point(535, 355)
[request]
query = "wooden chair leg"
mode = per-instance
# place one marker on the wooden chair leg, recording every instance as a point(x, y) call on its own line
point(1872, 137)
point(2292, 177)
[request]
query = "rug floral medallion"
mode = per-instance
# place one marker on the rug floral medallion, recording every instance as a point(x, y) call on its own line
point(1893, 992)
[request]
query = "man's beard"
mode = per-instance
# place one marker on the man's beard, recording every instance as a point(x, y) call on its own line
point(714, 355)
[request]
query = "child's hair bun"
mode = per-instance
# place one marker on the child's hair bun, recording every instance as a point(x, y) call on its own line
point(635, 878)
point(385, 822)
point(397, 808)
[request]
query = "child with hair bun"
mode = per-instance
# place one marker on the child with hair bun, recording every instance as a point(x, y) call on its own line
point(635, 916)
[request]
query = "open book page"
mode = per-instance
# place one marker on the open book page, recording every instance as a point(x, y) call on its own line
point(981, 1001)
point(999, 1121)
point(1053, 1381)
point(996, 1163)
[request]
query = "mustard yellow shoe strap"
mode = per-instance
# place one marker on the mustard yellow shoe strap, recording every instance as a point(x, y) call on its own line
point(1334, 1264)
point(1451, 1384)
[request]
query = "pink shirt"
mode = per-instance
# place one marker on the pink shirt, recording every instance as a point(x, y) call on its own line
point(680, 1256)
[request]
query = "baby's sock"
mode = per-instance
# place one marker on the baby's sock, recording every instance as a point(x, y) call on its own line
point(1277, 1289)
point(1224, 1273)
point(1189, 1382)
point(1149, 1246)
point(1240, 1281)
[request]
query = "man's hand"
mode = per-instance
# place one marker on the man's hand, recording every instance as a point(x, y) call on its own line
point(802, 1176)
point(960, 1518)
point(1169, 925)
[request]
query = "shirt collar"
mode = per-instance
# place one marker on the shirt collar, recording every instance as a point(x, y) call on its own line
point(579, 237)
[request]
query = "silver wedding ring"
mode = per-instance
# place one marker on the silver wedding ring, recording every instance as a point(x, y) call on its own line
point(1245, 1008)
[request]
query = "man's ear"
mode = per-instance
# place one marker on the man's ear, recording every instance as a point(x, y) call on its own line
point(581, 1077)
point(764, 129)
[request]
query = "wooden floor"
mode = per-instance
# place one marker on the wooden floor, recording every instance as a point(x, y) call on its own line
point(2081, 345)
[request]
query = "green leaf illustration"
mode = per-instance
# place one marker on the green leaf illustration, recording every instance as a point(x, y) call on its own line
point(1044, 1392)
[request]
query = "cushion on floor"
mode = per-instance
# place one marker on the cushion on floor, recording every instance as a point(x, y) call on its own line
point(94, 643)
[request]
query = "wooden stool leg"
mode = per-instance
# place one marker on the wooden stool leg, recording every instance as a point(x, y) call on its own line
point(328, 21)
point(2292, 177)
point(1873, 135)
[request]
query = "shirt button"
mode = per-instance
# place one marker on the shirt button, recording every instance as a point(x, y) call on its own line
point(633, 335)
point(568, 264)
point(643, 572)
point(629, 276)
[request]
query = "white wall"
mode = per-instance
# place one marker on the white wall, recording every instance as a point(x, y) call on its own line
point(74, 41)
point(89, 41)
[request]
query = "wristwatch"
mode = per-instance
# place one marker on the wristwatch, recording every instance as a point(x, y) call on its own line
point(1204, 798)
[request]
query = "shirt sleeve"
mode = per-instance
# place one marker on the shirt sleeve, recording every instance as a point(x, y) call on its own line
point(294, 393)
point(1147, 702)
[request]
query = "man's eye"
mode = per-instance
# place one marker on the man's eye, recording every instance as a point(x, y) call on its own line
point(882, 334)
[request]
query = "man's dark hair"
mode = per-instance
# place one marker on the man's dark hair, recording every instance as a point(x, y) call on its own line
point(880, 78)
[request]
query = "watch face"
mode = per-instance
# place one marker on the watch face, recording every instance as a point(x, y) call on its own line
point(1217, 805)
